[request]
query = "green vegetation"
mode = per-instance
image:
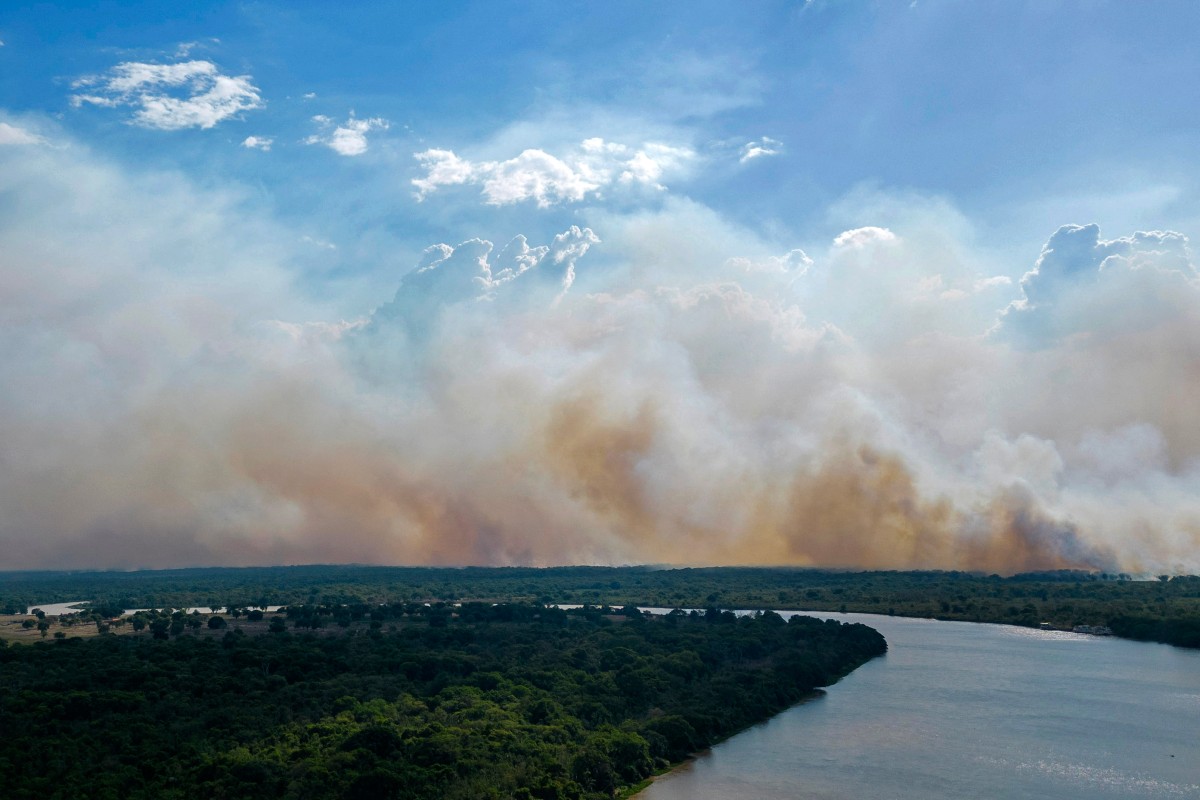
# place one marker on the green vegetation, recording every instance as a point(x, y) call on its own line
point(400, 700)
point(409, 683)
point(1155, 610)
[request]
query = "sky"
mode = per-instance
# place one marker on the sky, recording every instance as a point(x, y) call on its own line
point(829, 283)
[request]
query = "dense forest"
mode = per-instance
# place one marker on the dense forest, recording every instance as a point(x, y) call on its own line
point(378, 682)
point(1166, 609)
point(400, 700)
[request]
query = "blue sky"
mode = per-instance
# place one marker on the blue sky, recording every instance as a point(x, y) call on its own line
point(993, 106)
point(871, 179)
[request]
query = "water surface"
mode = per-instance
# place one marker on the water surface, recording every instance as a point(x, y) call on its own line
point(965, 710)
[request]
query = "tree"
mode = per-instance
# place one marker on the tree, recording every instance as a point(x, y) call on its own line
point(160, 628)
point(214, 622)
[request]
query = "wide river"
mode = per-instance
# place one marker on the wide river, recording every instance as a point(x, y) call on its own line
point(963, 710)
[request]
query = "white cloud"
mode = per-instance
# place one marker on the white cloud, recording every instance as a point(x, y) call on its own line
point(1083, 284)
point(349, 138)
point(567, 248)
point(258, 142)
point(766, 146)
point(187, 94)
point(442, 168)
point(537, 175)
point(859, 238)
point(12, 135)
point(448, 276)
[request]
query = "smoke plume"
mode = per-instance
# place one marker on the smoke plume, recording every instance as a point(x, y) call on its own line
point(659, 387)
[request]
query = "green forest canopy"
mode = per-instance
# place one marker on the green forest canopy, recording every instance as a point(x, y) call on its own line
point(410, 701)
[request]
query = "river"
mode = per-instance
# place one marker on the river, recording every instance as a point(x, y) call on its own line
point(965, 710)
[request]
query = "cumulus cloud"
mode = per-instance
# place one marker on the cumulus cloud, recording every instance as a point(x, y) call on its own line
point(12, 135)
point(1085, 285)
point(766, 146)
point(186, 94)
point(350, 137)
point(587, 171)
point(172, 397)
point(258, 143)
point(448, 275)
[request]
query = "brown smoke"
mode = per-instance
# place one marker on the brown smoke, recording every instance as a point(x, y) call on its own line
point(842, 411)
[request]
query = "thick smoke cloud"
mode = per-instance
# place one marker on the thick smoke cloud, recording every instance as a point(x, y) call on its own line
point(688, 396)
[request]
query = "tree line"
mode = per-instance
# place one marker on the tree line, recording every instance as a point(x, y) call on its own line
point(1166, 609)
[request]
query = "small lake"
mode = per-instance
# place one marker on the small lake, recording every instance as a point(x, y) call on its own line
point(965, 710)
